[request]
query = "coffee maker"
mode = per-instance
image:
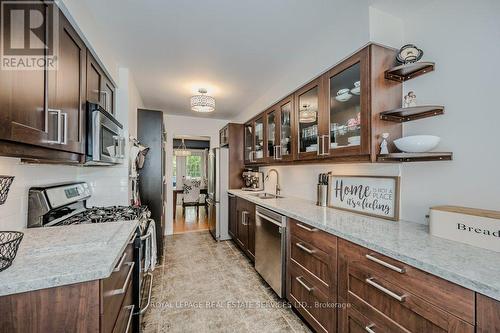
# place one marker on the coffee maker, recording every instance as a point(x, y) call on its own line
point(254, 180)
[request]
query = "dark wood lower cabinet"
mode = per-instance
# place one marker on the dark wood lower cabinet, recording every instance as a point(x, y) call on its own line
point(232, 215)
point(100, 306)
point(487, 314)
point(245, 227)
point(312, 275)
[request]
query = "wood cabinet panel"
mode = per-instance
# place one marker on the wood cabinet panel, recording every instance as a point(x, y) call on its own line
point(71, 308)
point(94, 80)
point(66, 88)
point(311, 301)
point(23, 116)
point(246, 227)
point(312, 259)
point(488, 314)
point(123, 321)
point(446, 295)
point(317, 238)
point(114, 289)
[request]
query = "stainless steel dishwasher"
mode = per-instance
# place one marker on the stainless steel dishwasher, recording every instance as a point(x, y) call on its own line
point(270, 247)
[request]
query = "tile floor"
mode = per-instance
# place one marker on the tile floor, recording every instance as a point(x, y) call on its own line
point(205, 286)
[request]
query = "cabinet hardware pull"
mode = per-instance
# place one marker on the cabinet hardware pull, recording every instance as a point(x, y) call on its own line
point(318, 150)
point(129, 321)
point(385, 264)
point(302, 247)
point(57, 114)
point(244, 217)
point(120, 263)
point(299, 280)
point(149, 295)
point(124, 287)
point(400, 298)
point(306, 228)
point(327, 151)
point(369, 328)
point(64, 136)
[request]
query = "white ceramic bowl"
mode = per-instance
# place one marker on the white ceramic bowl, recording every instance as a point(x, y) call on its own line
point(417, 143)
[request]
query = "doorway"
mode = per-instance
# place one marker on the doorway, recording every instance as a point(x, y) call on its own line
point(190, 183)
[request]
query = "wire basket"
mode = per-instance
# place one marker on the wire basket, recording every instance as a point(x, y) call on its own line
point(5, 182)
point(9, 243)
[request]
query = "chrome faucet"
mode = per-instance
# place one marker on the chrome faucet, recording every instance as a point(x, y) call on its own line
point(278, 187)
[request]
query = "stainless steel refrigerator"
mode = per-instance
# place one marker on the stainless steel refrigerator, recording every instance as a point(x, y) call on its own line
point(218, 179)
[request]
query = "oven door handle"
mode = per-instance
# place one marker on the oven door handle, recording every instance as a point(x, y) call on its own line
point(141, 311)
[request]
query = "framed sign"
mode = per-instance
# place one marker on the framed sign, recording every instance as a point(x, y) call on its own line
point(369, 195)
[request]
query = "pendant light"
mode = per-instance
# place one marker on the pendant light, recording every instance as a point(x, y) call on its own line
point(182, 151)
point(202, 102)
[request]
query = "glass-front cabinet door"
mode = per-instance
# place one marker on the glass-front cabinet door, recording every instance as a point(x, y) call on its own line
point(346, 107)
point(249, 143)
point(285, 150)
point(259, 150)
point(272, 131)
point(309, 106)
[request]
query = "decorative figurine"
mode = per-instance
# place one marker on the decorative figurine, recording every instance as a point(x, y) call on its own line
point(383, 145)
point(410, 100)
point(408, 54)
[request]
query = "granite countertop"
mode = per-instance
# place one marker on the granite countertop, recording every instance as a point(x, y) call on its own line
point(56, 256)
point(471, 267)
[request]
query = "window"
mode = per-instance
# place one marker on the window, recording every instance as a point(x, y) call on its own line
point(193, 166)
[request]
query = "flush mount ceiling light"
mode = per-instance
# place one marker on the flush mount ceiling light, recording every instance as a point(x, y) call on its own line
point(202, 102)
point(182, 151)
point(306, 115)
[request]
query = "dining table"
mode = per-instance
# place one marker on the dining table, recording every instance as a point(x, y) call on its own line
point(203, 190)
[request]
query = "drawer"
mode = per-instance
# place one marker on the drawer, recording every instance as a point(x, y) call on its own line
point(124, 321)
point(368, 291)
point(441, 293)
point(314, 260)
point(371, 321)
point(114, 288)
point(317, 238)
point(317, 308)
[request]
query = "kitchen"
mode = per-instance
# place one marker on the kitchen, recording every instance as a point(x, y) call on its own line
point(297, 258)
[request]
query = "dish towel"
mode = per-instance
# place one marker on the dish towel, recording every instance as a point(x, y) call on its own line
point(150, 256)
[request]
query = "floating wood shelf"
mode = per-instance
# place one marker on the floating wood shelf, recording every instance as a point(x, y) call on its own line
point(415, 157)
point(409, 71)
point(412, 113)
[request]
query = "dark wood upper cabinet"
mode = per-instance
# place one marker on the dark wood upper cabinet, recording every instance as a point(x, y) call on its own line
point(311, 120)
point(94, 80)
point(357, 92)
point(23, 116)
point(248, 142)
point(100, 89)
point(286, 134)
point(279, 131)
point(336, 117)
point(66, 91)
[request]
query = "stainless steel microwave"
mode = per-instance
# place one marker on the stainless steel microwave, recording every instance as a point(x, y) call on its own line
point(105, 138)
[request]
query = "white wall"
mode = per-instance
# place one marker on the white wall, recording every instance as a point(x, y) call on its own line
point(462, 38)
point(466, 83)
point(175, 126)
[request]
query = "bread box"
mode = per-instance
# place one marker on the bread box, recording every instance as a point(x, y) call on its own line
point(477, 227)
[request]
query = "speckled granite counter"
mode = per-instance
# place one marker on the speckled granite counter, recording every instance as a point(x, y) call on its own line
point(56, 256)
point(474, 268)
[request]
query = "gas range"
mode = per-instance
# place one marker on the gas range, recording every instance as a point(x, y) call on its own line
point(66, 204)
point(107, 214)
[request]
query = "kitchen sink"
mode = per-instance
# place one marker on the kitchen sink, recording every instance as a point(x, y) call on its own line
point(266, 196)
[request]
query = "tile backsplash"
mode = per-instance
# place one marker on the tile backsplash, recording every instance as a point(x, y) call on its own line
point(109, 186)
